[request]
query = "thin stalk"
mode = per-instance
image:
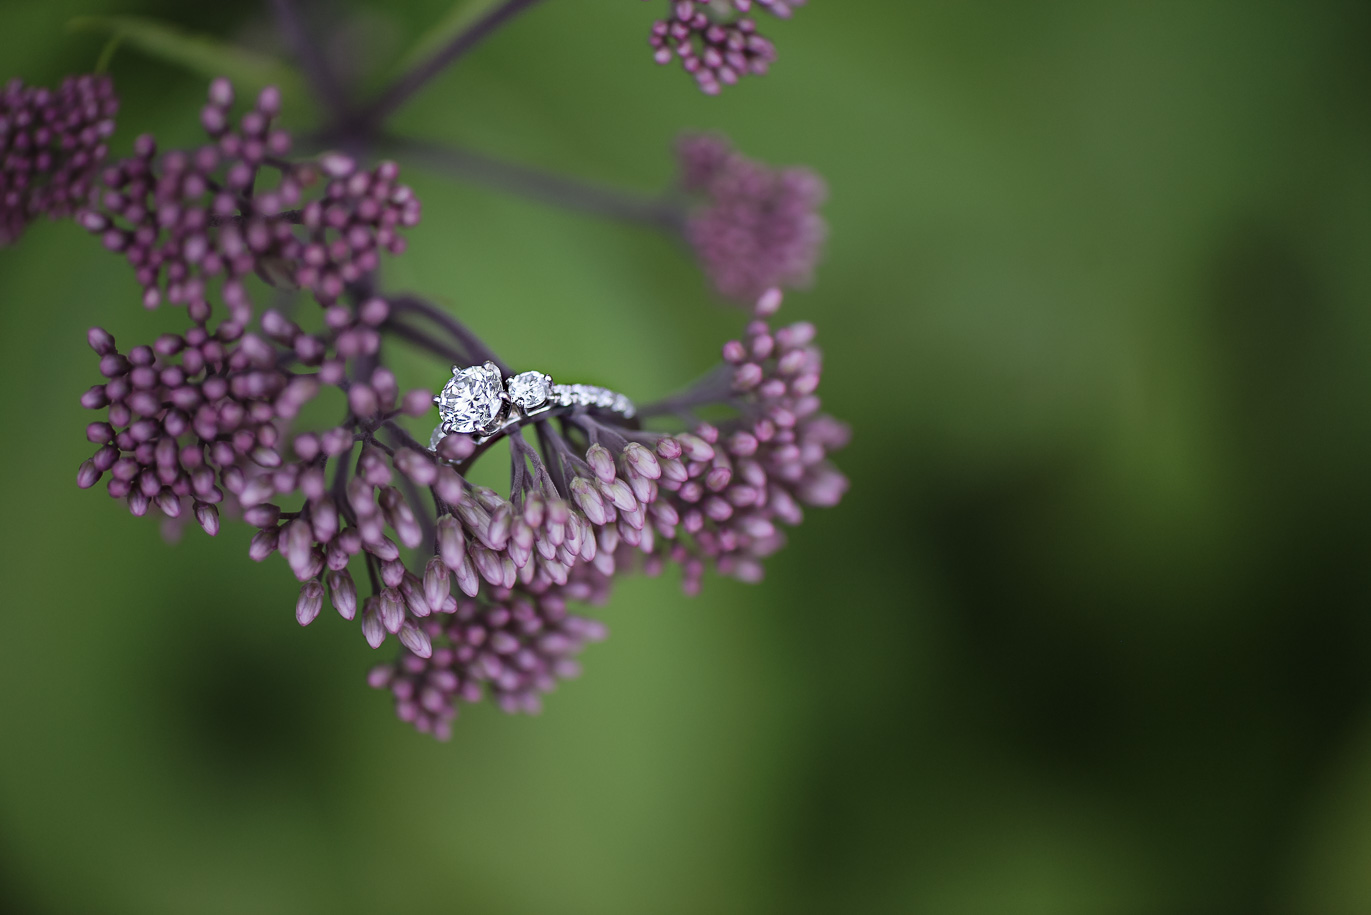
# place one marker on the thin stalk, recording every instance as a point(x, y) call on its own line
point(311, 57)
point(398, 431)
point(427, 522)
point(714, 387)
point(372, 116)
point(549, 439)
point(468, 340)
point(294, 217)
point(425, 342)
point(662, 213)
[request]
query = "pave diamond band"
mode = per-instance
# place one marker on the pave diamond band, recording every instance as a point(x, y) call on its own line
point(477, 401)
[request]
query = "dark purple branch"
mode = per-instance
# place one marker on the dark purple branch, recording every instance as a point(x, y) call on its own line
point(424, 341)
point(294, 217)
point(416, 502)
point(468, 340)
point(403, 436)
point(340, 479)
point(549, 439)
point(663, 214)
point(518, 465)
point(311, 57)
point(598, 432)
point(714, 387)
point(369, 120)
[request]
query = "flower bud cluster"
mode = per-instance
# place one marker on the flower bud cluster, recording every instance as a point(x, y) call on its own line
point(746, 477)
point(473, 584)
point(757, 227)
point(185, 417)
point(190, 220)
point(515, 647)
point(716, 40)
point(51, 145)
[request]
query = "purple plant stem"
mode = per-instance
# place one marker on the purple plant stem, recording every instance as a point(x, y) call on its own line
point(369, 119)
point(321, 78)
point(469, 342)
point(714, 387)
point(294, 217)
point(553, 443)
point(416, 502)
point(660, 213)
point(425, 342)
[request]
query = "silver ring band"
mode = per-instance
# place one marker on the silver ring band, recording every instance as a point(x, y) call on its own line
point(478, 402)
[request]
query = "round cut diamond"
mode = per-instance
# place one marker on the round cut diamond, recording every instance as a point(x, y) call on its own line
point(530, 389)
point(470, 400)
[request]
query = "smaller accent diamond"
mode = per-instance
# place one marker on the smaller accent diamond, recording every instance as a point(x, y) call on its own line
point(529, 389)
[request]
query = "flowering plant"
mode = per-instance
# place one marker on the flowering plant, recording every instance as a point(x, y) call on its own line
point(478, 587)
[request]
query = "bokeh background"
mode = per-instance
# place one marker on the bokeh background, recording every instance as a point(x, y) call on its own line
point(1090, 633)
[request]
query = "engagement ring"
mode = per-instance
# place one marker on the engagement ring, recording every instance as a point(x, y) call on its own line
point(477, 401)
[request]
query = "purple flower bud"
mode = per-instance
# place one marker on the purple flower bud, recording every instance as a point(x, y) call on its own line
point(620, 494)
point(262, 515)
point(392, 609)
point(641, 461)
point(437, 582)
point(467, 580)
point(310, 602)
point(695, 448)
point(588, 500)
point(416, 640)
point(169, 503)
point(601, 462)
point(456, 448)
point(451, 543)
point(825, 488)
point(362, 400)
point(497, 532)
point(372, 629)
point(768, 303)
point(487, 563)
point(343, 593)
point(412, 590)
point(207, 516)
point(336, 165)
point(101, 341)
point(263, 545)
point(87, 475)
point(296, 542)
point(718, 478)
point(418, 467)
point(417, 402)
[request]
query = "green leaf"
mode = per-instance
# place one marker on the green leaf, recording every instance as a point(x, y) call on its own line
point(202, 54)
point(461, 15)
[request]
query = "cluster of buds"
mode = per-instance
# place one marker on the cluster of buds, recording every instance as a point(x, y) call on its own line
point(475, 586)
point(51, 144)
point(716, 40)
point(190, 219)
point(757, 227)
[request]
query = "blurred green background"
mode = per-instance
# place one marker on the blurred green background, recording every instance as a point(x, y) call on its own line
point(1089, 634)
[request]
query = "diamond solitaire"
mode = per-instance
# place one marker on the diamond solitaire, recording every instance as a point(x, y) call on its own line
point(472, 399)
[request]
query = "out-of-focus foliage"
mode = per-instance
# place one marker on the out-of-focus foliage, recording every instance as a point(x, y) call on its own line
point(1090, 633)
